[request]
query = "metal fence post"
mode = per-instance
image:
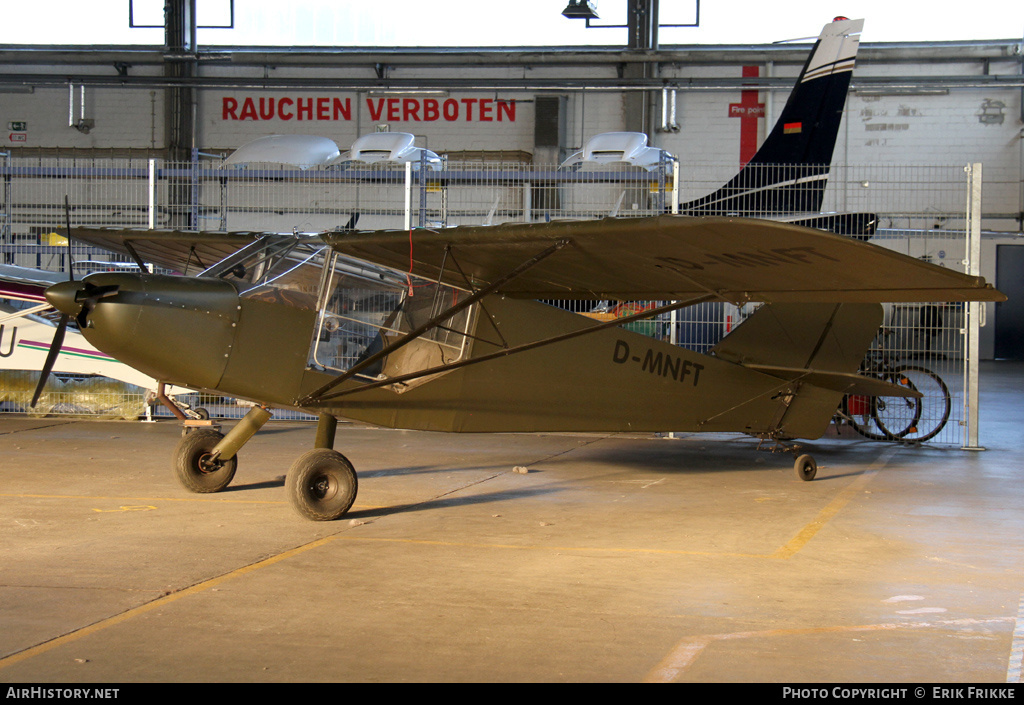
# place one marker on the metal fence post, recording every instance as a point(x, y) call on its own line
point(423, 189)
point(408, 196)
point(527, 202)
point(974, 308)
point(152, 194)
point(193, 220)
point(6, 233)
point(675, 186)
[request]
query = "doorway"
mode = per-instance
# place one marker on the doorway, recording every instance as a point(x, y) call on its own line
point(1009, 336)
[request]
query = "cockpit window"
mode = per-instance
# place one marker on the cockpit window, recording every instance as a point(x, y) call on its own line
point(364, 309)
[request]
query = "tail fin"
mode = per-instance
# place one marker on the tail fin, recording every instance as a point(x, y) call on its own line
point(820, 344)
point(814, 350)
point(825, 337)
point(789, 172)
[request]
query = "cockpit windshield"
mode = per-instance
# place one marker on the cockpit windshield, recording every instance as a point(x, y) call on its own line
point(282, 269)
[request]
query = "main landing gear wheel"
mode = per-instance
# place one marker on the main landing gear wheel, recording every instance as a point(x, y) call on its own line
point(805, 467)
point(195, 468)
point(322, 484)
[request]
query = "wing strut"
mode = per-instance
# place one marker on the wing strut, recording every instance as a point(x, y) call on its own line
point(434, 322)
point(472, 288)
point(318, 398)
point(135, 256)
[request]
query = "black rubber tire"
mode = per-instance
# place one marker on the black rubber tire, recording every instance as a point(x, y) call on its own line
point(322, 485)
point(188, 466)
point(805, 467)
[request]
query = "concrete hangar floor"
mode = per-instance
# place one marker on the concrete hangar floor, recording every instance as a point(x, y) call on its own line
point(615, 558)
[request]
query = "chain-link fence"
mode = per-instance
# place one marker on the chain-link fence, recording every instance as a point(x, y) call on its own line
point(919, 211)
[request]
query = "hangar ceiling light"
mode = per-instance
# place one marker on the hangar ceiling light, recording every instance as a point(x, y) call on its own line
point(580, 10)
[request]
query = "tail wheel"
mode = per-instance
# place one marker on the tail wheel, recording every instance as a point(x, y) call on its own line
point(195, 468)
point(806, 468)
point(322, 484)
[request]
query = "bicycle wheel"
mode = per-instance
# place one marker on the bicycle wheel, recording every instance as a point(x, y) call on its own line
point(935, 405)
point(897, 417)
point(858, 411)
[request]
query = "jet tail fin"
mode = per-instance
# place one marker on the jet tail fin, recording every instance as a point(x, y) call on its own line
point(789, 172)
point(861, 226)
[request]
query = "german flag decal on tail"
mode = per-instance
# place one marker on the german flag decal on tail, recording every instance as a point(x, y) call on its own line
point(793, 128)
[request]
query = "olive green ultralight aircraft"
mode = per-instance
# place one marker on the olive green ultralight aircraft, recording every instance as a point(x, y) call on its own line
point(446, 330)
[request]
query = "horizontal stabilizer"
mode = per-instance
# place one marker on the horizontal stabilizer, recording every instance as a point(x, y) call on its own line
point(846, 383)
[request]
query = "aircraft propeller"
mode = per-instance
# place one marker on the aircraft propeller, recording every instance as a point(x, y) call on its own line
point(88, 296)
point(65, 297)
point(51, 356)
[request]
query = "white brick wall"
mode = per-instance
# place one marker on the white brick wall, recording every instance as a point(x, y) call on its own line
point(124, 118)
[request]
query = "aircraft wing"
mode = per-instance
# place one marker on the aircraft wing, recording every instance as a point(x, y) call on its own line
point(26, 284)
point(176, 250)
point(666, 257)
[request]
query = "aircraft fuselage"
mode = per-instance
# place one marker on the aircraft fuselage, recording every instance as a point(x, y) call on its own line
point(200, 333)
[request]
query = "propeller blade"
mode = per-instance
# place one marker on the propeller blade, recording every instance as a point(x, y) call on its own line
point(51, 356)
point(62, 325)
